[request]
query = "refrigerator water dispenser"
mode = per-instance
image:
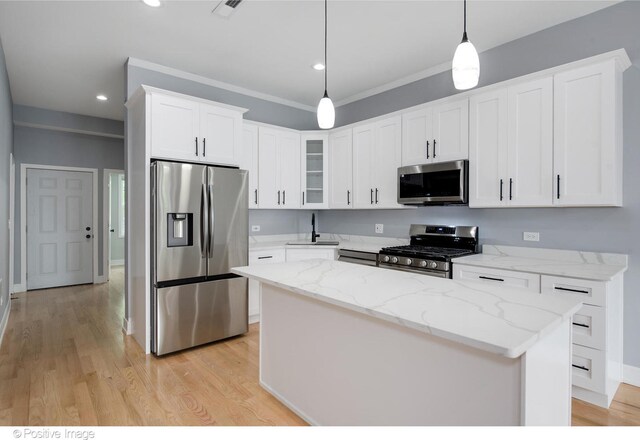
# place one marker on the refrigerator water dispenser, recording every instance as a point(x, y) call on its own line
point(179, 229)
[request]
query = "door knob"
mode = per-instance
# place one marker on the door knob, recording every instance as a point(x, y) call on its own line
point(88, 236)
point(88, 228)
point(112, 230)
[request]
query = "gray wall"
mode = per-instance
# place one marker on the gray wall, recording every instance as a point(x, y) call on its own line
point(6, 147)
point(259, 109)
point(592, 229)
point(273, 222)
point(117, 243)
point(50, 147)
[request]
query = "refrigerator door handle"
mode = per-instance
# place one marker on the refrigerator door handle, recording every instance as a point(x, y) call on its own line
point(203, 204)
point(212, 221)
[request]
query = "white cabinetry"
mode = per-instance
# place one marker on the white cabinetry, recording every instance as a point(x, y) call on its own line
point(249, 160)
point(511, 146)
point(314, 170)
point(261, 257)
point(189, 129)
point(376, 157)
point(278, 169)
point(588, 136)
point(437, 133)
point(497, 277)
point(341, 169)
point(296, 254)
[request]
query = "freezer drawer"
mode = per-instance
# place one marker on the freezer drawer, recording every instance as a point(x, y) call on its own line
point(195, 314)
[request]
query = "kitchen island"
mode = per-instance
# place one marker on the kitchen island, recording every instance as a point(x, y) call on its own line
point(344, 344)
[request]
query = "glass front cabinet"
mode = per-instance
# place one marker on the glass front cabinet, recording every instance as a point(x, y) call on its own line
point(314, 170)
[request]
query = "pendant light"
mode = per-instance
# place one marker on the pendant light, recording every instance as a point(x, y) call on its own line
point(466, 65)
point(326, 112)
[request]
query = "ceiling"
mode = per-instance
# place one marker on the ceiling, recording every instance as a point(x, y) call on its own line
point(60, 55)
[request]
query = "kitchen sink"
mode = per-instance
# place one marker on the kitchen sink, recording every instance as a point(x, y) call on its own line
point(317, 243)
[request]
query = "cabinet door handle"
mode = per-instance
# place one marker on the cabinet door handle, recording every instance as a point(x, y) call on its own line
point(256, 195)
point(348, 197)
point(303, 197)
point(196, 145)
point(376, 196)
point(434, 148)
point(580, 367)
point(278, 197)
point(581, 325)
point(372, 196)
point(566, 289)
point(284, 195)
point(204, 147)
point(265, 258)
point(510, 188)
point(558, 193)
point(427, 149)
point(501, 184)
point(490, 278)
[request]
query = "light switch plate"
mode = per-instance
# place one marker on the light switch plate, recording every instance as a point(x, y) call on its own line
point(531, 236)
point(255, 228)
point(379, 228)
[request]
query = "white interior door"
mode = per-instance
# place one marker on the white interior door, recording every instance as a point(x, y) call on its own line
point(59, 211)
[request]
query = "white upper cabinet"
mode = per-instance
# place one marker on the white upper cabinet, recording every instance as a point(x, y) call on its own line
point(341, 169)
point(530, 139)
point(174, 128)
point(588, 136)
point(377, 153)
point(249, 160)
point(278, 169)
point(314, 170)
point(191, 130)
point(510, 151)
point(438, 133)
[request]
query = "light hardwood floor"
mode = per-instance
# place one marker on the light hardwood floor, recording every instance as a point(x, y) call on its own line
point(65, 361)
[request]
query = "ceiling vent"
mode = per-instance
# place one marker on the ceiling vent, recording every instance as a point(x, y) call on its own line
point(226, 8)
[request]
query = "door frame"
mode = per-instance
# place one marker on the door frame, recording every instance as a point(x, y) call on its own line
point(23, 217)
point(106, 218)
point(12, 220)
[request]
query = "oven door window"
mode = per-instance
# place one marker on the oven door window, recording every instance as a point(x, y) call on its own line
point(432, 184)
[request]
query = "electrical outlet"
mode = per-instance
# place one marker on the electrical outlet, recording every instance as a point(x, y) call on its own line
point(255, 228)
point(531, 236)
point(379, 228)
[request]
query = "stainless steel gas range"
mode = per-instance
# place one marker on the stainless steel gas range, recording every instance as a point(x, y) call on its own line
point(431, 249)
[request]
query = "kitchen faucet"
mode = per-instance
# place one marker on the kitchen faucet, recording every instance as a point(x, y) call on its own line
point(313, 228)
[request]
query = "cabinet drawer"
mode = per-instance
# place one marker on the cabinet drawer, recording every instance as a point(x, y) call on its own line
point(310, 254)
point(266, 257)
point(589, 292)
point(507, 278)
point(589, 327)
point(588, 367)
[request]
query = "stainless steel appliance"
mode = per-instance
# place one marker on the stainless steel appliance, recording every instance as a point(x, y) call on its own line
point(358, 257)
point(431, 249)
point(199, 231)
point(445, 183)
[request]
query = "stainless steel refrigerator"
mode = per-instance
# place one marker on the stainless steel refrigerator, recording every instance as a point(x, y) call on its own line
point(199, 231)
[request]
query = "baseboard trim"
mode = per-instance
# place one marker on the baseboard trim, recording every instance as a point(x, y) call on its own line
point(631, 375)
point(116, 263)
point(254, 318)
point(100, 279)
point(126, 326)
point(5, 321)
point(289, 405)
point(19, 288)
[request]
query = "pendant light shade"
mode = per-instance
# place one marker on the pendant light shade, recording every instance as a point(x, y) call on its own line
point(326, 112)
point(466, 64)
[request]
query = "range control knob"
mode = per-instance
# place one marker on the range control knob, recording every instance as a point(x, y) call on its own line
point(423, 263)
point(385, 258)
point(394, 259)
point(408, 262)
point(433, 265)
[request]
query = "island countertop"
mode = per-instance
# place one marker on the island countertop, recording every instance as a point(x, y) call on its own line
point(498, 320)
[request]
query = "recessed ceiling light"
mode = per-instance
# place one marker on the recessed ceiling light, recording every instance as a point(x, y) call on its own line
point(152, 3)
point(318, 66)
point(101, 98)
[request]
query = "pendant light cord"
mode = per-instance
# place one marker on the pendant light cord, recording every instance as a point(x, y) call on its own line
point(325, 47)
point(464, 33)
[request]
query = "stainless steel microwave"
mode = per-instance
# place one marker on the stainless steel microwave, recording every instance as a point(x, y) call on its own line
point(445, 183)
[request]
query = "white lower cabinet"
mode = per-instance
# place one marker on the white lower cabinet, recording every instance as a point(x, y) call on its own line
point(261, 257)
point(597, 327)
point(310, 254)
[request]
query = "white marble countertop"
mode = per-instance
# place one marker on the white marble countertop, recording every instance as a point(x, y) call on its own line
point(574, 264)
point(499, 320)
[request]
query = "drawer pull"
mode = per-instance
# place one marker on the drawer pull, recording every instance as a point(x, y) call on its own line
point(581, 325)
point(490, 278)
point(265, 258)
point(566, 289)
point(580, 367)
